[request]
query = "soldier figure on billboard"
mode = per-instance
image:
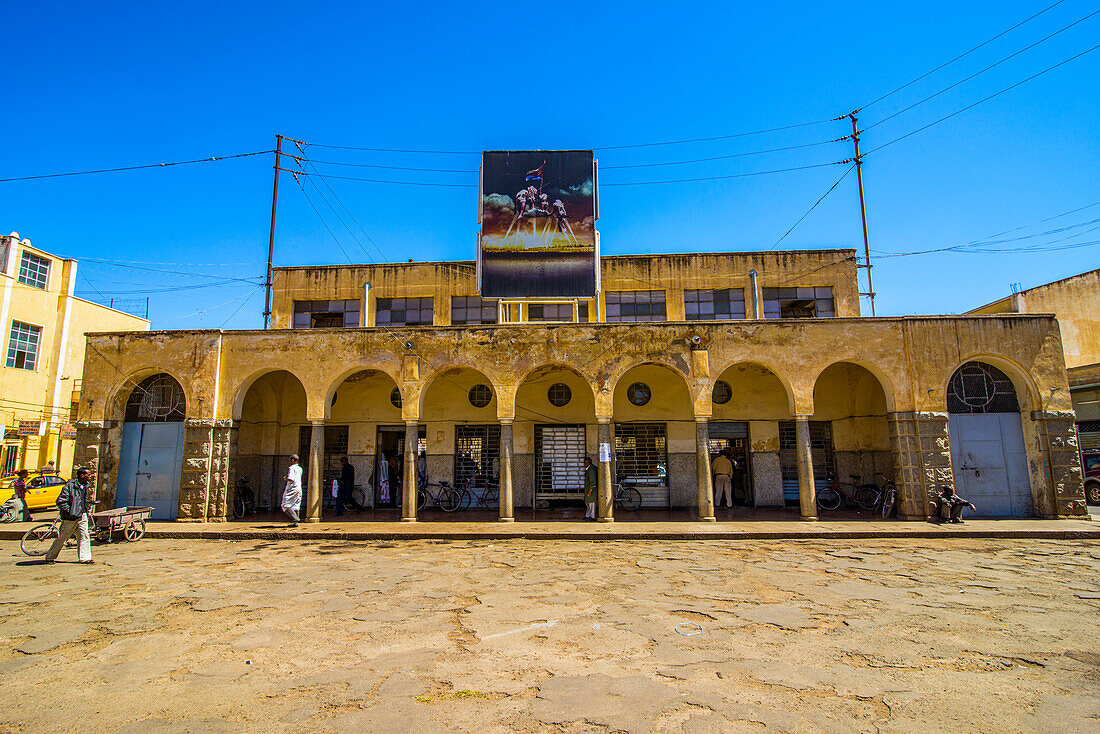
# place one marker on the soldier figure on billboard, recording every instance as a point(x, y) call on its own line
point(562, 220)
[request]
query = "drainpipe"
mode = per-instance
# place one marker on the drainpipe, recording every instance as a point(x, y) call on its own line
point(366, 304)
point(755, 295)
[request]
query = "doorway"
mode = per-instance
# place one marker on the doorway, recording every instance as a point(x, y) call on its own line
point(734, 435)
point(387, 481)
point(559, 462)
point(150, 466)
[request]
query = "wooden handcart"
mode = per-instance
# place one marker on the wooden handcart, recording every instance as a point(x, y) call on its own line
point(130, 520)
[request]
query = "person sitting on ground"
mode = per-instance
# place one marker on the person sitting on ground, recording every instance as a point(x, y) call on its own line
point(951, 504)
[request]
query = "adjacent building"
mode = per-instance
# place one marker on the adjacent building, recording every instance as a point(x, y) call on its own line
point(677, 356)
point(43, 327)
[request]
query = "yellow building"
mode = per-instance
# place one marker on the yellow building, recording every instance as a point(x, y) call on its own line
point(764, 353)
point(43, 326)
point(1075, 301)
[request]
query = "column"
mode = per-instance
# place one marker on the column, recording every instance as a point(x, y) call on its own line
point(408, 489)
point(605, 497)
point(807, 496)
point(316, 472)
point(704, 483)
point(1064, 495)
point(506, 510)
point(922, 460)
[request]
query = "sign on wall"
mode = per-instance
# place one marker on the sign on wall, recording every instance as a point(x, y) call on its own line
point(538, 224)
point(68, 431)
point(32, 428)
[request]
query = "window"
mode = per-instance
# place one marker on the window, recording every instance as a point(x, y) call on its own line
point(638, 393)
point(477, 454)
point(11, 458)
point(480, 396)
point(641, 454)
point(395, 397)
point(550, 312)
point(723, 304)
point(821, 450)
point(156, 399)
point(326, 314)
point(5, 247)
point(722, 392)
point(473, 310)
point(34, 270)
point(559, 394)
point(23, 345)
point(977, 387)
point(635, 305)
point(803, 302)
point(404, 311)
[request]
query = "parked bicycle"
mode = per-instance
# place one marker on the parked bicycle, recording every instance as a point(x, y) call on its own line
point(855, 493)
point(886, 500)
point(627, 498)
point(244, 498)
point(441, 494)
point(481, 493)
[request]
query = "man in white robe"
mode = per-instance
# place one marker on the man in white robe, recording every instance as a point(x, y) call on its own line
point(292, 494)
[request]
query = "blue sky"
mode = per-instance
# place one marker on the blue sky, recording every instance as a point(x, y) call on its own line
point(95, 86)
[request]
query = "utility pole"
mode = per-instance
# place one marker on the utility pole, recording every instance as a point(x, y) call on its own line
point(271, 235)
point(863, 214)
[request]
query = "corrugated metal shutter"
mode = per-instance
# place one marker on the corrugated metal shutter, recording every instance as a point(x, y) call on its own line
point(1088, 434)
point(559, 462)
point(821, 450)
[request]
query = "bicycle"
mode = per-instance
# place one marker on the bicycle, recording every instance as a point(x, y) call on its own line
point(627, 498)
point(887, 497)
point(861, 495)
point(446, 498)
point(38, 540)
point(487, 499)
point(244, 498)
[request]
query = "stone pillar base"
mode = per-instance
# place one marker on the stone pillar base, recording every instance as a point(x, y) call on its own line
point(605, 519)
point(506, 519)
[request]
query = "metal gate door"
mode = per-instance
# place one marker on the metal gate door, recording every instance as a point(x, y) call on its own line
point(559, 462)
point(641, 461)
point(149, 472)
point(990, 463)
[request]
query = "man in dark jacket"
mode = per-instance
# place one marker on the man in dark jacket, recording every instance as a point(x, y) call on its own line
point(72, 506)
point(347, 484)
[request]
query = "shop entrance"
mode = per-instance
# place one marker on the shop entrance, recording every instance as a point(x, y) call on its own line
point(559, 462)
point(641, 461)
point(734, 435)
point(387, 480)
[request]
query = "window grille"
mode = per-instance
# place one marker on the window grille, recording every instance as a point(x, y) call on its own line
point(821, 450)
point(559, 394)
point(395, 397)
point(559, 461)
point(477, 453)
point(638, 393)
point(404, 311)
point(723, 304)
point(34, 270)
point(635, 305)
point(480, 396)
point(641, 454)
point(473, 310)
point(326, 314)
point(722, 392)
point(798, 303)
point(156, 399)
point(11, 458)
point(23, 345)
point(977, 387)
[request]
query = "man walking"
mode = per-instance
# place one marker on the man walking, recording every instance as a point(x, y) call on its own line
point(591, 489)
point(292, 494)
point(72, 506)
point(722, 468)
point(347, 484)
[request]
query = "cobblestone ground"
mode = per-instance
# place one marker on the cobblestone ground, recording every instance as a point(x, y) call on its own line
point(554, 636)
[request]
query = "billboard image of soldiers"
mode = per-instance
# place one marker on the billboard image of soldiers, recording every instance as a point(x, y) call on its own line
point(538, 228)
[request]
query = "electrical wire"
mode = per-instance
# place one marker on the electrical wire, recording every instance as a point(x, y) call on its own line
point(211, 159)
point(353, 218)
point(383, 181)
point(843, 176)
point(318, 213)
point(981, 101)
point(232, 300)
point(979, 73)
point(719, 178)
point(963, 55)
point(724, 157)
point(123, 264)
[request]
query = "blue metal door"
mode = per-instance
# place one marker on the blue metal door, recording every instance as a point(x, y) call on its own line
point(150, 466)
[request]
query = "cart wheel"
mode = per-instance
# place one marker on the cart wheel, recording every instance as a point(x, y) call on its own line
point(134, 530)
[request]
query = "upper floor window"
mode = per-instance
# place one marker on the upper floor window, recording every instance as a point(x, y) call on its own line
point(325, 314)
point(803, 302)
point(635, 305)
point(404, 311)
point(554, 312)
point(23, 345)
point(473, 310)
point(34, 270)
point(723, 304)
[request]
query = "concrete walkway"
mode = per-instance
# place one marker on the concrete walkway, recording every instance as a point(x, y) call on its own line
point(468, 527)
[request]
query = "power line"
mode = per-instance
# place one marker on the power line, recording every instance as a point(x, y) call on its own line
point(211, 159)
point(718, 178)
point(962, 55)
point(382, 181)
point(234, 299)
point(979, 73)
point(346, 209)
point(123, 264)
point(843, 176)
point(318, 213)
point(983, 100)
point(717, 137)
point(723, 157)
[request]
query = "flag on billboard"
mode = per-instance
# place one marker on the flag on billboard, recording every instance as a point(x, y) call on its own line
point(536, 175)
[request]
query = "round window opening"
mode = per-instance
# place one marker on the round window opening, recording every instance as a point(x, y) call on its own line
point(722, 392)
point(480, 396)
point(395, 397)
point(559, 394)
point(638, 393)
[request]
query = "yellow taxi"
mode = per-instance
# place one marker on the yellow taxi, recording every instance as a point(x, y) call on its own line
point(42, 489)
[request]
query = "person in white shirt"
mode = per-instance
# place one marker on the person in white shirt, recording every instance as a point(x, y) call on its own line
point(292, 494)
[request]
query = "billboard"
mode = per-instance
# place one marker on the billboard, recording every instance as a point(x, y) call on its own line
point(538, 224)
